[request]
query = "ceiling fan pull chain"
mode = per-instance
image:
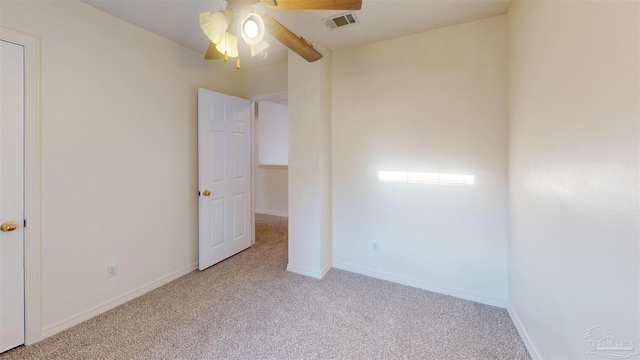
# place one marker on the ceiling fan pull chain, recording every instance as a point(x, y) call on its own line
point(238, 63)
point(226, 39)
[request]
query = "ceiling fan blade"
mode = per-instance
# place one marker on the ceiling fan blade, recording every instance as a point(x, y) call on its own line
point(294, 42)
point(313, 4)
point(213, 53)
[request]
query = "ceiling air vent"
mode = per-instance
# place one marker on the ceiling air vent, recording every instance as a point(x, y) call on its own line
point(341, 20)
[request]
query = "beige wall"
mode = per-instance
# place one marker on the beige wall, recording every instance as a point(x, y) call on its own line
point(433, 102)
point(573, 173)
point(118, 130)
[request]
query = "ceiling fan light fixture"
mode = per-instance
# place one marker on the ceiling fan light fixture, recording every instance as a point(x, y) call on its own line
point(252, 29)
point(205, 24)
point(220, 22)
point(214, 25)
point(228, 45)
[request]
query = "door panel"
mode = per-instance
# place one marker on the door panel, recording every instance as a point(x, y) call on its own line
point(224, 168)
point(217, 143)
point(238, 155)
point(216, 235)
point(238, 215)
point(11, 195)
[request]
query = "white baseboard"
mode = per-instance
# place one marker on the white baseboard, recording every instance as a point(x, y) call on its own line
point(271, 212)
point(302, 270)
point(533, 352)
point(462, 294)
point(110, 304)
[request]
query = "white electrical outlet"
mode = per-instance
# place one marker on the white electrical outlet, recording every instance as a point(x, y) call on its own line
point(112, 270)
point(375, 247)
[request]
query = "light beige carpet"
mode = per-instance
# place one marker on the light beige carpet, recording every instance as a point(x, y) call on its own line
point(250, 307)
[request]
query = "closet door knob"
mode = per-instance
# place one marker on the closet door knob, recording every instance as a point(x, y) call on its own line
point(206, 193)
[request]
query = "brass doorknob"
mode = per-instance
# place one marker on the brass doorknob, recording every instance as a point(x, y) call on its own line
point(206, 193)
point(8, 226)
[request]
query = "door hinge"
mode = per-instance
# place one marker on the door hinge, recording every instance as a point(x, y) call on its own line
point(25, 223)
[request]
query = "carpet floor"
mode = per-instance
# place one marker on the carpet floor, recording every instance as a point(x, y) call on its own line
point(250, 307)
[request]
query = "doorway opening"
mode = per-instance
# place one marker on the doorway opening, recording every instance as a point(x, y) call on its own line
point(271, 161)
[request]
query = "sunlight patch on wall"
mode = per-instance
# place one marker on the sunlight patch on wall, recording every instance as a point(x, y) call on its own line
point(426, 178)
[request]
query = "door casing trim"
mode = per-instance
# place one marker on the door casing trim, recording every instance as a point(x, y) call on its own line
point(32, 278)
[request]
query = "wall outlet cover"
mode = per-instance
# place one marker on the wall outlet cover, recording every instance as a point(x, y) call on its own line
point(112, 270)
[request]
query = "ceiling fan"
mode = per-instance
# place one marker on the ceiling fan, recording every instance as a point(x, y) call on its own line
point(222, 28)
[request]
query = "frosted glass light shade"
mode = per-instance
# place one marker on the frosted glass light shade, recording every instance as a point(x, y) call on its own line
point(252, 29)
point(228, 45)
point(214, 25)
point(259, 48)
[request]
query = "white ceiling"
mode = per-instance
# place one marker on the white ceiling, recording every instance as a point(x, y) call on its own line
point(177, 20)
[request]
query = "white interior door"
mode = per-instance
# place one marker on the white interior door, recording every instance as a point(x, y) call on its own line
point(11, 195)
point(224, 176)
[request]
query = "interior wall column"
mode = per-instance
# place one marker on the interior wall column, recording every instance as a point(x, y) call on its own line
point(310, 164)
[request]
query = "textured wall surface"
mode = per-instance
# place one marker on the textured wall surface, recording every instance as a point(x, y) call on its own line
point(573, 173)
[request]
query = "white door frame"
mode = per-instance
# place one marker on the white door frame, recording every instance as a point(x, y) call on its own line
point(32, 304)
point(254, 151)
